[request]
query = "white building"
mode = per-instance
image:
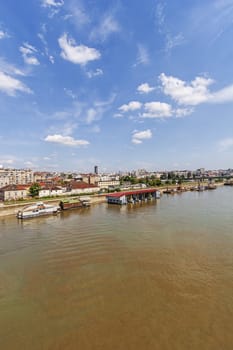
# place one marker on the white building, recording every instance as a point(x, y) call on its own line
point(15, 177)
point(108, 181)
point(13, 192)
point(51, 191)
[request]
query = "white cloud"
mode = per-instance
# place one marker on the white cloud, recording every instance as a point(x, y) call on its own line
point(10, 85)
point(79, 54)
point(171, 40)
point(145, 88)
point(139, 136)
point(157, 110)
point(7, 161)
point(66, 140)
point(96, 73)
point(70, 93)
point(136, 141)
point(65, 129)
point(131, 106)
point(159, 15)
point(182, 112)
point(77, 14)
point(107, 26)
point(28, 52)
point(91, 115)
point(225, 144)
point(142, 56)
point(9, 68)
point(195, 92)
point(3, 35)
point(52, 3)
point(223, 95)
point(118, 115)
point(51, 59)
point(41, 36)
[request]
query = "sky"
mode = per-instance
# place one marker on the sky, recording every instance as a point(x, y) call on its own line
point(121, 84)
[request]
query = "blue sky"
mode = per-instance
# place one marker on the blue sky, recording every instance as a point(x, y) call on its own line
point(119, 84)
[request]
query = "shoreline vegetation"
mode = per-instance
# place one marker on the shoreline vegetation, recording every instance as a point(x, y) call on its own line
point(12, 209)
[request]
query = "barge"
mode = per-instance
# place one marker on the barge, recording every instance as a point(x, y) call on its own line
point(74, 203)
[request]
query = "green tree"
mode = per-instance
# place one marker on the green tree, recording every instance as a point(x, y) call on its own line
point(134, 180)
point(34, 189)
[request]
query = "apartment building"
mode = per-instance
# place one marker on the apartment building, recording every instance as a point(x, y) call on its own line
point(15, 177)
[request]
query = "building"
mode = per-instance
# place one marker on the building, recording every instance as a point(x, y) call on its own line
point(14, 192)
point(15, 177)
point(108, 181)
point(96, 171)
point(80, 187)
point(89, 178)
point(132, 196)
point(51, 191)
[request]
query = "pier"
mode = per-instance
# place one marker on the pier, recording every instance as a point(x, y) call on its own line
point(132, 196)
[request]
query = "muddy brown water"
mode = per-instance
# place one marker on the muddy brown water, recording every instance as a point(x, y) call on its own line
point(157, 275)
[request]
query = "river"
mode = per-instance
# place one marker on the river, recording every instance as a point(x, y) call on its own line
point(157, 275)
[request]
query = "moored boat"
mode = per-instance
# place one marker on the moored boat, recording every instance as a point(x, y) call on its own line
point(73, 203)
point(37, 209)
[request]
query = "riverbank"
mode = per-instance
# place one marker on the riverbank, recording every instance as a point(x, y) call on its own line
point(12, 209)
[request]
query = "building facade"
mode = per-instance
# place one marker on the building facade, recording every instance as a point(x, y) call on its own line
point(15, 177)
point(14, 192)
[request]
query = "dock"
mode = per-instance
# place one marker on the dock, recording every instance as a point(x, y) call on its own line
point(132, 196)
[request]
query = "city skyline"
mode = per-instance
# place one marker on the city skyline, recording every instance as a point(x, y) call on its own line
point(121, 86)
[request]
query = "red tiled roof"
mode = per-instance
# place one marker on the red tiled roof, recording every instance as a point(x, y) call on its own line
point(129, 193)
point(51, 188)
point(80, 185)
point(15, 187)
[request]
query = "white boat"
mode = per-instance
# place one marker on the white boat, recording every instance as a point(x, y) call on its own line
point(37, 209)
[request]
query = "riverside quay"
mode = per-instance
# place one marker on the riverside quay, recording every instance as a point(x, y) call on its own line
point(132, 196)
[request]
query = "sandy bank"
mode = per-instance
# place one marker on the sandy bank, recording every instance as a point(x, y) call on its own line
point(12, 209)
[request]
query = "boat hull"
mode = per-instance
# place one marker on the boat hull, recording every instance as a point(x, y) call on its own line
point(36, 210)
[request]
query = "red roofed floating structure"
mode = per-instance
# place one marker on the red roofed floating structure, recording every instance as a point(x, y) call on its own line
point(132, 196)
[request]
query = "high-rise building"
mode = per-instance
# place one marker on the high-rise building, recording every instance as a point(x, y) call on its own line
point(96, 169)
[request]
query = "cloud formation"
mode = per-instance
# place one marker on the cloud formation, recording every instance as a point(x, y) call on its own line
point(96, 73)
point(10, 85)
point(28, 52)
point(66, 140)
point(139, 136)
point(131, 106)
point(157, 110)
point(183, 93)
point(142, 56)
point(171, 40)
point(3, 35)
point(52, 3)
point(107, 26)
point(145, 88)
point(77, 54)
point(195, 92)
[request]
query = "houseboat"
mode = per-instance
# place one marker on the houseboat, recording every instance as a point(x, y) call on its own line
point(37, 209)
